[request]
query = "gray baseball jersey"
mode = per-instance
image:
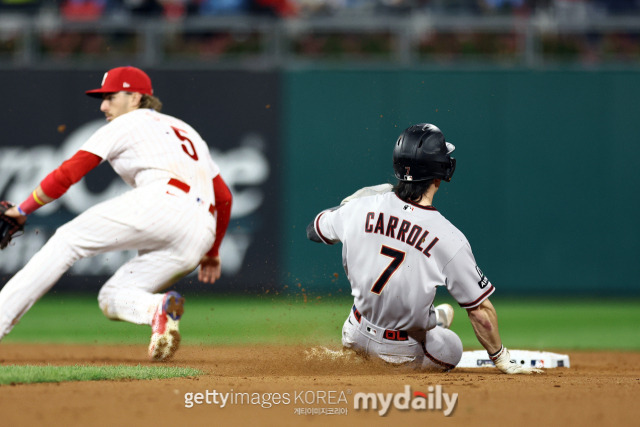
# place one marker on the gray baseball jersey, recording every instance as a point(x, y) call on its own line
point(396, 253)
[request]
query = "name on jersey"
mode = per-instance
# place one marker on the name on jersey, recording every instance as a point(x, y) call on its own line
point(405, 231)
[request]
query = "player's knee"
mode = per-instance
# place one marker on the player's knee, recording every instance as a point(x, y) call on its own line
point(453, 352)
point(443, 349)
point(104, 298)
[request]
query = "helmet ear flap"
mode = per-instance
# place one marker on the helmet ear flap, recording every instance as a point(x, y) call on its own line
point(450, 170)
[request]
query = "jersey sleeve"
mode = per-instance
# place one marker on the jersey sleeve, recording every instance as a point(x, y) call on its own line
point(104, 142)
point(224, 200)
point(68, 173)
point(328, 225)
point(465, 281)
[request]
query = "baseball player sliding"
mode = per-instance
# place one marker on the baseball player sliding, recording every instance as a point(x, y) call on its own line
point(396, 249)
point(175, 216)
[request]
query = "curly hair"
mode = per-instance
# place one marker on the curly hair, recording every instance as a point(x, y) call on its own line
point(412, 191)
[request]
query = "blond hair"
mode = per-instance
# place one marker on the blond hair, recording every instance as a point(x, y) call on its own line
point(150, 101)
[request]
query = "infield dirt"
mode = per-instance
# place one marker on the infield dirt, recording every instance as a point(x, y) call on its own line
point(600, 389)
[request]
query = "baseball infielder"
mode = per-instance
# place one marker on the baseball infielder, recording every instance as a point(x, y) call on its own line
point(396, 249)
point(175, 216)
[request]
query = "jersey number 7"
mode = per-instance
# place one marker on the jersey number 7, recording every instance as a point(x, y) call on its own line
point(397, 258)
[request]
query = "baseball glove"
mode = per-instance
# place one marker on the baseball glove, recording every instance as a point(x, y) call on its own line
point(9, 226)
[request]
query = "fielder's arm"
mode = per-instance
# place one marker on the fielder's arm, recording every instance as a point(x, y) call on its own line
point(484, 320)
point(56, 183)
point(37, 196)
point(210, 265)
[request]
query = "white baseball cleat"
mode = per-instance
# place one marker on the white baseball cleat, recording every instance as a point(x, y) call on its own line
point(444, 314)
point(165, 336)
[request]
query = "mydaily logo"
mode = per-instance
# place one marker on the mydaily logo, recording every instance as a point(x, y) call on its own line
point(434, 400)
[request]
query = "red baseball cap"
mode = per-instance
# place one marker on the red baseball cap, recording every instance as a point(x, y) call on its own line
point(128, 79)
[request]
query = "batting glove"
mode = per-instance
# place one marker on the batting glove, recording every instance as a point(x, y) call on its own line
point(503, 361)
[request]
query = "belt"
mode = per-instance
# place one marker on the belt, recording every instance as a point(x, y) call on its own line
point(186, 187)
point(389, 334)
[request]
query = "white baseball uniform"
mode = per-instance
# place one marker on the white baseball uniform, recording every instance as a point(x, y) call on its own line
point(395, 254)
point(168, 217)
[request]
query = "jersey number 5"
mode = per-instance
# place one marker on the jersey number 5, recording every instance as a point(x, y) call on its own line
point(191, 151)
point(396, 259)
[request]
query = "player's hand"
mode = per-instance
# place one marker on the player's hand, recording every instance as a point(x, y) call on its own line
point(210, 269)
point(506, 365)
point(14, 213)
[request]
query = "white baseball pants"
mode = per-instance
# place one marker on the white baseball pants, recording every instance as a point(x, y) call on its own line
point(435, 349)
point(171, 229)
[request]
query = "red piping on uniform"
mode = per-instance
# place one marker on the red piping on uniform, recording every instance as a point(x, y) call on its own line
point(449, 366)
point(480, 299)
point(317, 226)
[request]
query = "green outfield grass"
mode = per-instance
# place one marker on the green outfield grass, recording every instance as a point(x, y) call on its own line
point(217, 320)
point(43, 374)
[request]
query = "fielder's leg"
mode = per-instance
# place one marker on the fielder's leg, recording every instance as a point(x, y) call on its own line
point(34, 280)
point(86, 235)
point(131, 293)
point(175, 244)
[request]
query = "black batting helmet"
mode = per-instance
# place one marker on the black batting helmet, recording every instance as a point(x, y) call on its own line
point(421, 153)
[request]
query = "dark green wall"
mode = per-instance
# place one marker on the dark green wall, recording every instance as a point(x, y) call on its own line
point(546, 188)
